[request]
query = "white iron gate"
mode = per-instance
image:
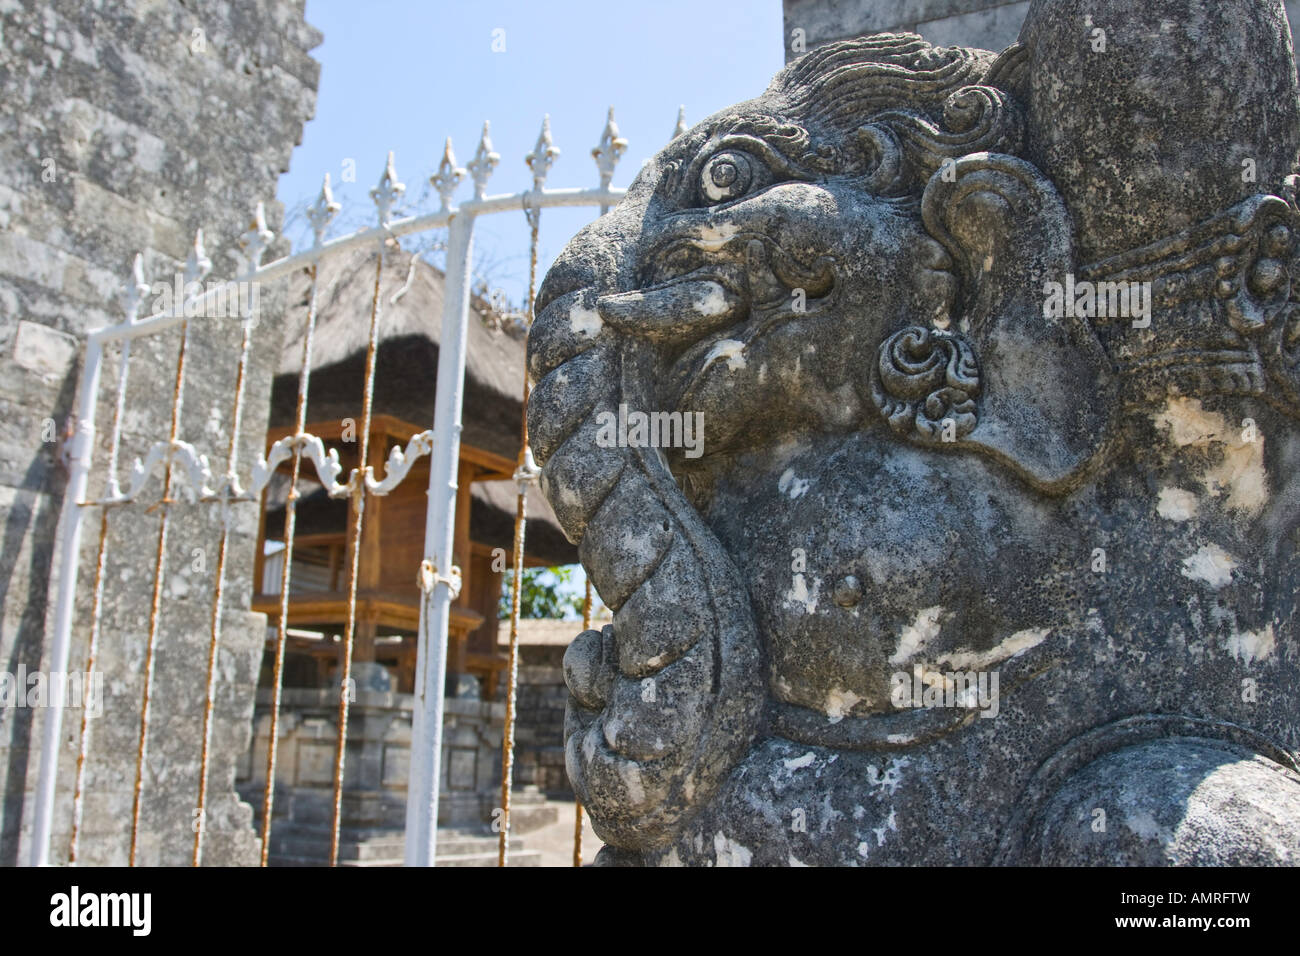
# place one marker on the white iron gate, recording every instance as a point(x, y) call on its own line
point(439, 580)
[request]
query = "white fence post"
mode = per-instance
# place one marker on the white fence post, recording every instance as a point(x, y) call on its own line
point(69, 563)
point(439, 535)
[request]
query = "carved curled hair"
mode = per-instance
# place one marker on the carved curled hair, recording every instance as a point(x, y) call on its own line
point(895, 109)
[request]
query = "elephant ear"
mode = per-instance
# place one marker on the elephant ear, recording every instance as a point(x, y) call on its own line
point(1039, 393)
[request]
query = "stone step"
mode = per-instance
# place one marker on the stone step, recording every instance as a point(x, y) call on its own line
point(322, 831)
point(293, 861)
point(348, 852)
point(526, 796)
point(454, 853)
point(298, 845)
point(522, 858)
point(526, 819)
point(301, 837)
point(308, 845)
point(374, 850)
point(316, 847)
point(463, 845)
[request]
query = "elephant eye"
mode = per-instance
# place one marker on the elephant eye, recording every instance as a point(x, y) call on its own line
point(727, 175)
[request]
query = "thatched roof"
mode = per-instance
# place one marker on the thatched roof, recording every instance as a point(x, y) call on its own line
point(406, 366)
point(492, 521)
point(407, 359)
point(343, 295)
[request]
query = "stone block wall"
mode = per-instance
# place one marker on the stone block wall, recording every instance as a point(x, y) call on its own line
point(539, 732)
point(125, 126)
point(987, 24)
point(378, 760)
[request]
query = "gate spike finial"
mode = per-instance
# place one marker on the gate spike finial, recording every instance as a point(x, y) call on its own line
point(322, 211)
point(254, 241)
point(609, 150)
point(543, 155)
point(388, 192)
point(448, 176)
point(197, 263)
point(484, 161)
point(135, 289)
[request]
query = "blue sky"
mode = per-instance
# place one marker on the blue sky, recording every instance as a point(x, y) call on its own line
point(404, 74)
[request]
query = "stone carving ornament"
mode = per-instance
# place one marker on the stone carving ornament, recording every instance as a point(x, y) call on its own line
point(990, 555)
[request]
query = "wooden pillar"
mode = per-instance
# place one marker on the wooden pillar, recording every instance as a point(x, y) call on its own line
point(406, 668)
point(368, 578)
point(363, 638)
point(369, 566)
point(462, 555)
point(259, 556)
point(462, 552)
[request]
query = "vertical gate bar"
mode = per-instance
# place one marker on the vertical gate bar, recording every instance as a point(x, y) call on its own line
point(97, 603)
point(512, 670)
point(209, 698)
point(358, 521)
point(521, 520)
point(92, 647)
point(286, 573)
point(439, 532)
point(178, 393)
point(81, 452)
point(577, 831)
point(277, 676)
point(577, 801)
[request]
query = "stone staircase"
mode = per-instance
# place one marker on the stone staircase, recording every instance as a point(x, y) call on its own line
point(305, 842)
point(479, 848)
point(529, 810)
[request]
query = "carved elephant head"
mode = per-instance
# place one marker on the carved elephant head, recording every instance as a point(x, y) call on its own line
point(807, 394)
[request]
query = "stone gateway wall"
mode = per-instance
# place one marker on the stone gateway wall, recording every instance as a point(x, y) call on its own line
point(987, 24)
point(126, 127)
point(540, 700)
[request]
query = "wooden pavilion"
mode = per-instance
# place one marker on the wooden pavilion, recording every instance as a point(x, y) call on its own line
point(392, 543)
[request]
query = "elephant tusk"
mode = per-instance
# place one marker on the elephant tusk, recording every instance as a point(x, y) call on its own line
point(683, 310)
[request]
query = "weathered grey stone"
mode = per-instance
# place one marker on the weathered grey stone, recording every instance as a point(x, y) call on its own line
point(957, 565)
point(982, 23)
point(1180, 802)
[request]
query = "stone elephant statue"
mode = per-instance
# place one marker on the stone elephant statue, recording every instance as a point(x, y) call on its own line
point(930, 425)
